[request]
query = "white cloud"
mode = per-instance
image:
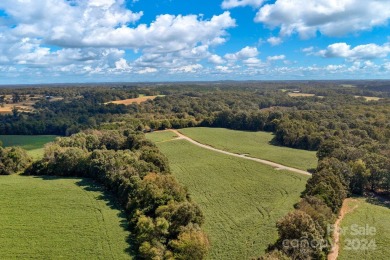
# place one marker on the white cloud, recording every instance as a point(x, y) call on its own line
point(188, 68)
point(330, 17)
point(228, 4)
point(245, 53)
point(122, 65)
point(253, 62)
point(216, 59)
point(274, 41)
point(93, 35)
point(147, 70)
point(333, 68)
point(223, 69)
point(308, 50)
point(360, 52)
point(275, 58)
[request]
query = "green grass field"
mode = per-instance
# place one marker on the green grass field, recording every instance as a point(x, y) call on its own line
point(353, 243)
point(32, 143)
point(255, 144)
point(58, 218)
point(241, 199)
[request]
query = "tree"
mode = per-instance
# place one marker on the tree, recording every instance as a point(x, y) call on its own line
point(191, 244)
point(359, 179)
point(13, 160)
point(299, 237)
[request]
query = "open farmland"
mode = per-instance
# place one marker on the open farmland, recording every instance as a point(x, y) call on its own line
point(130, 101)
point(241, 199)
point(51, 218)
point(369, 98)
point(356, 242)
point(23, 103)
point(255, 144)
point(293, 94)
point(32, 143)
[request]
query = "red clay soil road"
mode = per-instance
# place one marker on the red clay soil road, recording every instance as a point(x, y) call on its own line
point(243, 156)
point(334, 253)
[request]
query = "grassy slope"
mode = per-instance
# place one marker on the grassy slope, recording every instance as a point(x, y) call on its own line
point(241, 199)
point(58, 218)
point(32, 143)
point(366, 214)
point(255, 144)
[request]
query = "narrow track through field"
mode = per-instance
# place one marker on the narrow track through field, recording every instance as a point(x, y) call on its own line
point(243, 156)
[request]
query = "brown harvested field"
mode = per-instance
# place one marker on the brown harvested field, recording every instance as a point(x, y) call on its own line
point(369, 98)
point(133, 100)
point(300, 95)
point(7, 109)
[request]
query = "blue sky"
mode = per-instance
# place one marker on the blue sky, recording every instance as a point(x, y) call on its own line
point(45, 41)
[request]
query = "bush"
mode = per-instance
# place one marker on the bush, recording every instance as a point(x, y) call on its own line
point(13, 160)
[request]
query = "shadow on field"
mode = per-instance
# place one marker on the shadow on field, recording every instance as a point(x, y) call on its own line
point(108, 198)
point(378, 200)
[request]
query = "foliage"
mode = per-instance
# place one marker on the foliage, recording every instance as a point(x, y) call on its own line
point(13, 160)
point(159, 211)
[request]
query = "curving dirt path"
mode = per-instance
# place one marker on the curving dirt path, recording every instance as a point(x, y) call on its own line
point(243, 156)
point(334, 253)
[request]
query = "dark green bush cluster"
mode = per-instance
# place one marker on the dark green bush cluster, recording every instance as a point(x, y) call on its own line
point(164, 222)
point(13, 160)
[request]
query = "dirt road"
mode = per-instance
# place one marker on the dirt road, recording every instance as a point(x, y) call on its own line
point(243, 156)
point(334, 253)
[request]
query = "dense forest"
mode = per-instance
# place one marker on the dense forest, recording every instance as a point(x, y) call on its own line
point(347, 123)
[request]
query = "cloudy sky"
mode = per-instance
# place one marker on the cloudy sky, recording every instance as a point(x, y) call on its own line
point(44, 41)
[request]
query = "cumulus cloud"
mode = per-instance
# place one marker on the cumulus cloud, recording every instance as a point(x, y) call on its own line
point(329, 17)
point(188, 68)
point(216, 59)
point(223, 69)
point(147, 70)
point(274, 41)
point(275, 58)
point(228, 4)
point(245, 53)
point(360, 52)
point(94, 35)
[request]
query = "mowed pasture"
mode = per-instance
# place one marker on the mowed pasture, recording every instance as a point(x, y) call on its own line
point(52, 218)
point(255, 144)
point(32, 143)
point(298, 94)
point(369, 98)
point(241, 199)
point(130, 101)
point(366, 231)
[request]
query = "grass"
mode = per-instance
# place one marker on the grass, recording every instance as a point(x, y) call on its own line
point(161, 136)
point(32, 143)
point(300, 95)
point(369, 98)
point(375, 215)
point(138, 100)
point(241, 199)
point(255, 144)
point(59, 218)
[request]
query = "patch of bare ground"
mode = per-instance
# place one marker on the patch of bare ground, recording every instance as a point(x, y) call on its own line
point(345, 209)
point(132, 100)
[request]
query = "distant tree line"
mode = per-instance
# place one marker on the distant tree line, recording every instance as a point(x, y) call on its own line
point(164, 222)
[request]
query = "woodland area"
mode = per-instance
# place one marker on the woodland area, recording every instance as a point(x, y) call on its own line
point(350, 133)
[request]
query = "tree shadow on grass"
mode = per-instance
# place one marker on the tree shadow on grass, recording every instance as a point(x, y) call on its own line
point(109, 199)
point(378, 200)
